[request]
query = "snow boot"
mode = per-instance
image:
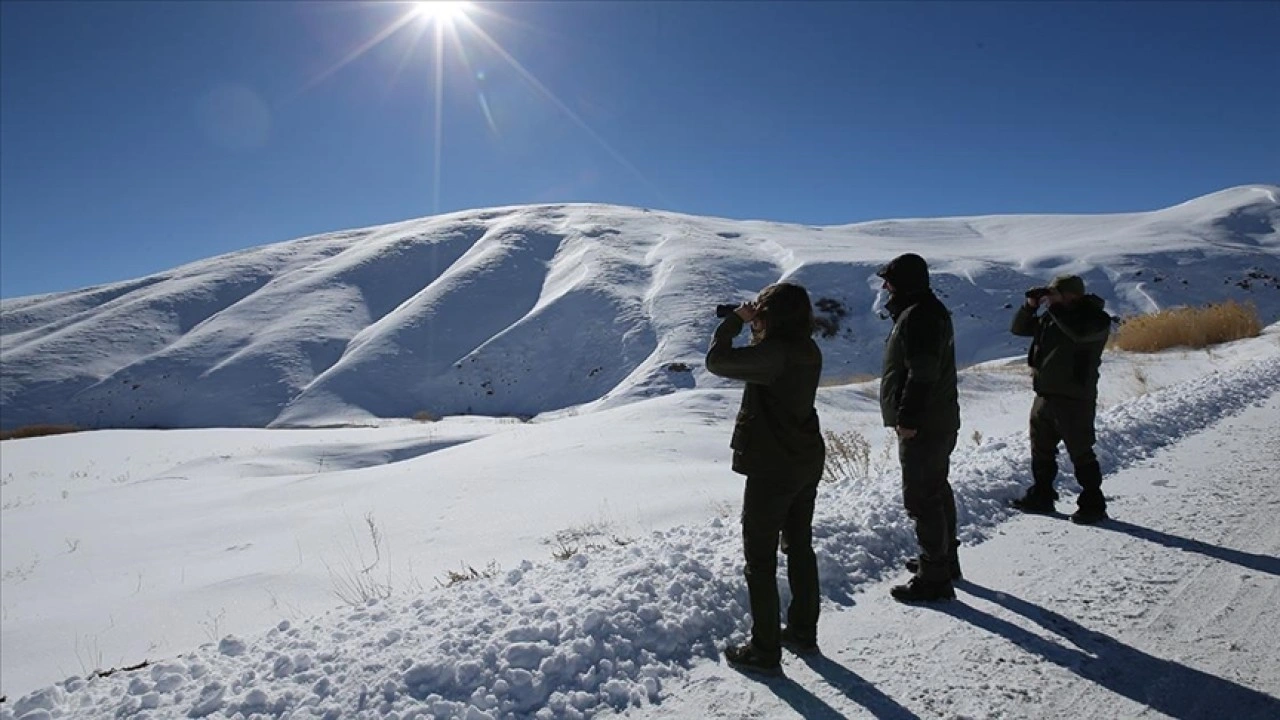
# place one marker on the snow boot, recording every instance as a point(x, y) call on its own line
point(913, 566)
point(1091, 506)
point(917, 590)
point(748, 659)
point(1089, 515)
point(799, 644)
point(1038, 499)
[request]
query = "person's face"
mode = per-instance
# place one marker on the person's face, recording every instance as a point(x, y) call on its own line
point(1060, 298)
point(888, 286)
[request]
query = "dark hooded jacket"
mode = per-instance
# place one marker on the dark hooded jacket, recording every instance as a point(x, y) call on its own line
point(918, 380)
point(1066, 349)
point(777, 431)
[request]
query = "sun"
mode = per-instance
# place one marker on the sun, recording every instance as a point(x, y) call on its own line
point(442, 10)
point(457, 24)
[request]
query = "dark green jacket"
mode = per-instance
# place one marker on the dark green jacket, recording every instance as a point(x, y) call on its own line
point(777, 431)
point(918, 382)
point(1067, 346)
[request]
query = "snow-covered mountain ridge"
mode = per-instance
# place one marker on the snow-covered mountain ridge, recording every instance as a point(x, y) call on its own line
point(525, 310)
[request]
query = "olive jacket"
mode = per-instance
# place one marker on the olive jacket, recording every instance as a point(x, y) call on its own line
point(777, 431)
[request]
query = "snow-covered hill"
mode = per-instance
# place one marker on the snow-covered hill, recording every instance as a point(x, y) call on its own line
point(525, 310)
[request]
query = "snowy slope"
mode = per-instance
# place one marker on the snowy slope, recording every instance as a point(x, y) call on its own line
point(1170, 611)
point(637, 627)
point(521, 311)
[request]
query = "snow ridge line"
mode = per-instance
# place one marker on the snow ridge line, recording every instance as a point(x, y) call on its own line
point(600, 630)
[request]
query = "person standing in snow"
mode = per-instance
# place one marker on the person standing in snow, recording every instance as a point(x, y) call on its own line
point(1066, 350)
point(919, 400)
point(777, 444)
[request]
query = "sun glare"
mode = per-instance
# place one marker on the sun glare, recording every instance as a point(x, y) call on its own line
point(454, 23)
point(442, 10)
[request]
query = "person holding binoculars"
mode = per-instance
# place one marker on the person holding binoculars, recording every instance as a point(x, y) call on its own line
point(777, 444)
point(1066, 351)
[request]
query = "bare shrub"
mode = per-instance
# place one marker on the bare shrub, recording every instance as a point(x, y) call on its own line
point(848, 457)
point(212, 624)
point(889, 448)
point(88, 654)
point(453, 577)
point(564, 550)
point(587, 538)
point(425, 416)
point(30, 431)
point(353, 580)
point(1188, 327)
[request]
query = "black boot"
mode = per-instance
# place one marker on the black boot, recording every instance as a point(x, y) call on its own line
point(1038, 499)
point(748, 659)
point(1091, 505)
point(799, 644)
point(913, 566)
point(917, 590)
point(1089, 515)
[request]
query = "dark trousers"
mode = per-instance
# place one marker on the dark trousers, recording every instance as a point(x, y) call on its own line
point(1058, 419)
point(780, 506)
point(929, 500)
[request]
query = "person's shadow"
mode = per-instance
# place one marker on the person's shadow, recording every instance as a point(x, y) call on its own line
point(810, 706)
point(1261, 563)
point(858, 689)
point(849, 683)
point(1163, 685)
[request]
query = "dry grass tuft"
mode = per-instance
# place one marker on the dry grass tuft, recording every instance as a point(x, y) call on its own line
point(848, 457)
point(1188, 327)
point(589, 537)
point(30, 431)
point(469, 573)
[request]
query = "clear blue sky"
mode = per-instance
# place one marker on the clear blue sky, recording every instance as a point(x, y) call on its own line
point(139, 136)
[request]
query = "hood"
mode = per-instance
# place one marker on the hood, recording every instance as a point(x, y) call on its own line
point(907, 274)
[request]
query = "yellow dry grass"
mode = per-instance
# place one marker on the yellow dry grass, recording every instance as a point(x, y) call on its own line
point(30, 431)
point(1188, 327)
